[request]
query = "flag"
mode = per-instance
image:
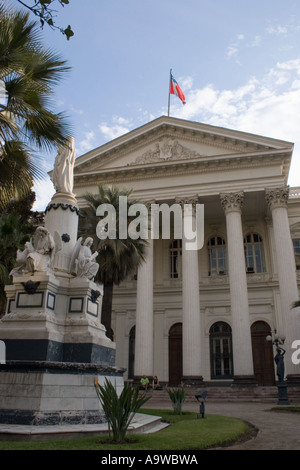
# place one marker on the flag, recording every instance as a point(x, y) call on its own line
point(176, 90)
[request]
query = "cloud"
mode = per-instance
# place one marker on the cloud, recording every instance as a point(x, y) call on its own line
point(267, 106)
point(233, 48)
point(86, 144)
point(118, 127)
point(44, 190)
point(277, 29)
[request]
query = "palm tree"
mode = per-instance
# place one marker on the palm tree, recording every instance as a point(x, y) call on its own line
point(117, 258)
point(28, 72)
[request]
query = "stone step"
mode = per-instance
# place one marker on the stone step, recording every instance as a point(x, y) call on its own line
point(229, 394)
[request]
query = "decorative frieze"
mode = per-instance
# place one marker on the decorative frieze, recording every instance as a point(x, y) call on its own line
point(232, 202)
point(277, 197)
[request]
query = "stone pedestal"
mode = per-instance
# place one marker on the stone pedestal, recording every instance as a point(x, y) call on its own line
point(282, 394)
point(56, 320)
point(55, 344)
point(55, 347)
point(51, 393)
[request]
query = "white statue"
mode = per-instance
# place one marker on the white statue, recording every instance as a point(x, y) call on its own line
point(83, 262)
point(22, 261)
point(63, 167)
point(40, 258)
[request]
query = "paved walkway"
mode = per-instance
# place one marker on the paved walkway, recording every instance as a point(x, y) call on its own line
point(276, 430)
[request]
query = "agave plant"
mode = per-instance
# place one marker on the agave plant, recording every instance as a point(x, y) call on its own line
point(177, 396)
point(119, 410)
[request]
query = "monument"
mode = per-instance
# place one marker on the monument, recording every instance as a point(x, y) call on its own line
point(55, 343)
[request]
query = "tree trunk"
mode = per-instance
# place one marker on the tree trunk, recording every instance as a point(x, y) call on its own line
point(107, 308)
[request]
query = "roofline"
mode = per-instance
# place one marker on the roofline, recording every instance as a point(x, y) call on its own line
point(189, 125)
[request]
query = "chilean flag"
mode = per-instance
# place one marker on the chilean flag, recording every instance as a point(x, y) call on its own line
point(176, 90)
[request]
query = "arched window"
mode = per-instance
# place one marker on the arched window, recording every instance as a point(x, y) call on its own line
point(216, 255)
point(175, 259)
point(254, 253)
point(220, 339)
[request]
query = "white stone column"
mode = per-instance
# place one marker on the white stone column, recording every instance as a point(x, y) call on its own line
point(143, 362)
point(192, 359)
point(290, 318)
point(241, 333)
point(61, 219)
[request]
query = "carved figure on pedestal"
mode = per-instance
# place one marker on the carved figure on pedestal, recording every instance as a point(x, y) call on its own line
point(40, 258)
point(279, 360)
point(83, 262)
point(62, 177)
point(22, 261)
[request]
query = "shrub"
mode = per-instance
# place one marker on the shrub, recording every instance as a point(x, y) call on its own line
point(177, 396)
point(119, 410)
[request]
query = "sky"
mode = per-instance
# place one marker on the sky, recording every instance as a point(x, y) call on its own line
point(238, 63)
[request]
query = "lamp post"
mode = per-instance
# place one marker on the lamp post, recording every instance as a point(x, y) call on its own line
point(278, 341)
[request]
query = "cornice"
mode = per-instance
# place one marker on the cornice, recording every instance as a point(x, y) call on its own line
point(173, 168)
point(233, 141)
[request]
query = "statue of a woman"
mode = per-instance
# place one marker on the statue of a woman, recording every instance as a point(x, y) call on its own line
point(63, 167)
point(279, 360)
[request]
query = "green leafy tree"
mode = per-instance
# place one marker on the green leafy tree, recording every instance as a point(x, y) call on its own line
point(119, 410)
point(28, 72)
point(44, 10)
point(14, 232)
point(118, 258)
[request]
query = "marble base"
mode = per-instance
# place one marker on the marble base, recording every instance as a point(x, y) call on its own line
point(49, 393)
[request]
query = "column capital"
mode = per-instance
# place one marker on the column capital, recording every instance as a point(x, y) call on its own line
point(277, 197)
point(232, 202)
point(187, 200)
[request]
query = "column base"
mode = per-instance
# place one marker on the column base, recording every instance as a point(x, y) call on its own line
point(244, 381)
point(192, 381)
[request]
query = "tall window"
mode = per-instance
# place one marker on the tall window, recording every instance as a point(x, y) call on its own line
point(296, 244)
point(217, 255)
point(221, 351)
point(254, 253)
point(175, 259)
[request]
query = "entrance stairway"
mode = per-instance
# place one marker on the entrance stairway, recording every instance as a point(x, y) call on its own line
point(231, 394)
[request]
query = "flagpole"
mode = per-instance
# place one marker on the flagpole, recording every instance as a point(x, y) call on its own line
point(169, 93)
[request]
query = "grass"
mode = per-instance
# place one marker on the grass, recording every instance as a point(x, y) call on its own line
point(292, 409)
point(186, 432)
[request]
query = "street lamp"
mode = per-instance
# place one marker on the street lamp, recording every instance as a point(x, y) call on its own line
point(277, 341)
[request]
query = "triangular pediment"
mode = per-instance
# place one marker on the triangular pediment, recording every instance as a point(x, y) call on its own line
point(168, 140)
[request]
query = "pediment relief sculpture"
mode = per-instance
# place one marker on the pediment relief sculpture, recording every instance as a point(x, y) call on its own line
point(165, 150)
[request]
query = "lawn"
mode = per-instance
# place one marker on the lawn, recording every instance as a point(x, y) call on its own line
point(186, 432)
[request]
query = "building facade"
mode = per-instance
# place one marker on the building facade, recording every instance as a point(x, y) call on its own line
point(203, 315)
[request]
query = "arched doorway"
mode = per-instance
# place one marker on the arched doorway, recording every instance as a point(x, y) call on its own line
point(262, 351)
point(175, 354)
point(220, 340)
point(131, 353)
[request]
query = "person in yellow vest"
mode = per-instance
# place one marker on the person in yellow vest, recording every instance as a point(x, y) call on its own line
point(144, 382)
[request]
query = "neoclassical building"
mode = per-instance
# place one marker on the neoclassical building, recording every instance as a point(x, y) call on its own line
point(203, 315)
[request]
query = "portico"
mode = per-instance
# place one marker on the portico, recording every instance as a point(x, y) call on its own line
point(196, 314)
